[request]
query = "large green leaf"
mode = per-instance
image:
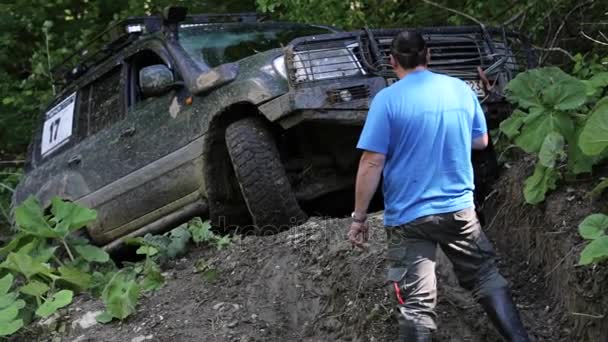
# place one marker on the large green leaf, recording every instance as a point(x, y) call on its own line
point(596, 84)
point(57, 301)
point(552, 150)
point(596, 251)
point(538, 125)
point(563, 92)
point(34, 288)
point(92, 253)
point(75, 277)
point(24, 264)
point(537, 185)
point(533, 134)
point(8, 299)
point(30, 219)
point(594, 137)
point(593, 226)
point(120, 295)
point(5, 283)
point(525, 89)
point(10, 327)
point(71, 214)
point(510, 127)
point(17, 242)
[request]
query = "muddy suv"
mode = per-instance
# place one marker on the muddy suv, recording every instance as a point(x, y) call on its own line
point(225, 115)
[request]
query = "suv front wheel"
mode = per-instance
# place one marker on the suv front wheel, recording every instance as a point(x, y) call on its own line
point(261, 176)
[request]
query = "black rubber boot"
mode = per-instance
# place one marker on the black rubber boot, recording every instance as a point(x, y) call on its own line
point(410, 333)
point(504, 315)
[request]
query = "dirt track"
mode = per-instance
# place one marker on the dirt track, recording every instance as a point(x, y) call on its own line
point(306, 284)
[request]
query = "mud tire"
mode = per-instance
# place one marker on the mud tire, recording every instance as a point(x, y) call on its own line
point(261, 176)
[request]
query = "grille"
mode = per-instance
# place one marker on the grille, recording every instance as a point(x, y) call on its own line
point(315, 62)
point(348, 94)
point(457, 52)
point(455, 55)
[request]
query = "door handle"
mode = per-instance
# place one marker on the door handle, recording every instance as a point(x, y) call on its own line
point(127, 132)
point(75, 160)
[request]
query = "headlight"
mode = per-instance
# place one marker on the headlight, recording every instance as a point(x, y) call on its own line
point(279, 66)
point(316, 65)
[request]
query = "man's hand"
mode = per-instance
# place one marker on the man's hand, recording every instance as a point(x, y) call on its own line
point(358, 234)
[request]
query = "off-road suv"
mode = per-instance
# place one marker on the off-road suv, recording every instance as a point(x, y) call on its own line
point(178, 116)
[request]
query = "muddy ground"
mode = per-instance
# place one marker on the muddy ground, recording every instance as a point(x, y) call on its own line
point(306, 284)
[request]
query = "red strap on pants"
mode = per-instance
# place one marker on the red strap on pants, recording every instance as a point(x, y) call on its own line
point(398, 293)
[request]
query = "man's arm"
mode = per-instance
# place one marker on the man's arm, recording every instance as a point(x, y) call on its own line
point(368, 178)
point(480, 142)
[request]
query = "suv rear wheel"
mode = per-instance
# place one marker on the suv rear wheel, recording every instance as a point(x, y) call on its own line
point(261, 176)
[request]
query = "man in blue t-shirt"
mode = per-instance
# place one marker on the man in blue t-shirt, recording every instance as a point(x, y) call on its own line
point(419, 134)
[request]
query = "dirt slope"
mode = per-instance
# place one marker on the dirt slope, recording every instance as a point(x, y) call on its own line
point(305, 284)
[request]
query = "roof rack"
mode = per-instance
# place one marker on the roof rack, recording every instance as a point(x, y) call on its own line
point(123, 33)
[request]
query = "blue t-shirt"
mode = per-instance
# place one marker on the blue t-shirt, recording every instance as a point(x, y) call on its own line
point(424, 124)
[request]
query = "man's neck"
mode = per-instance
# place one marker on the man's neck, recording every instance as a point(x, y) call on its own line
point(401, 73)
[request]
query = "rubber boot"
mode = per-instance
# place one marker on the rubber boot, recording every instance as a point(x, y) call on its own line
point(411, 333)
point(504, 315)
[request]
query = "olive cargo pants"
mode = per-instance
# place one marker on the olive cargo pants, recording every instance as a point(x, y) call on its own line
point(411, 255)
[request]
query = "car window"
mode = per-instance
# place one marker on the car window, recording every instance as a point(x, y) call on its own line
point(217, 44)
point(99, 103)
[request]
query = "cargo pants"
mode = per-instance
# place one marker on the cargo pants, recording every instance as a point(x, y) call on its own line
point(411, 256)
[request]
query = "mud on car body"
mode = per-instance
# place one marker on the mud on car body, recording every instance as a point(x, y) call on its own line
point(178, 116)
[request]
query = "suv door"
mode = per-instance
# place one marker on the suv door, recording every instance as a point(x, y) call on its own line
point(158, 169)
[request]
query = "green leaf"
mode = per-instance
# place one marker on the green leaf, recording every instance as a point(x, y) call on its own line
point(533, 133)
point(8, 299)
point(147, 250)
point(76, 277)
point(597, 83)
point(24, 264)
point(593, 226)
point(153, 278)
point(552, 150)
point(9, 313)
point(510, 126)
point(104, 317)
point(179, 241)
point(5, 283)
point(223, 242)
point(11, 327)
point(200, 231)
point(34, 288)
point(595, 252)
point(594, 137)
point(71, 214)
point(92, 253)
point(537, 185)
point(598, 189)
point(120, 295)
point(30, 219)
point(59, 300)
point(525, 89)
point(564, 92)
point(18, 240)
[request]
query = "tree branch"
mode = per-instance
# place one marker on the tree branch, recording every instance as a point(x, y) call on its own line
point(593, 39)
point(456, 12)
point(555, 49)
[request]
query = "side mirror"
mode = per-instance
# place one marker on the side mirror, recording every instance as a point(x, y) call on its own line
point(155, 80)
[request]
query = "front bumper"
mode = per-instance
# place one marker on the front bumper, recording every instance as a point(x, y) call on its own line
point(338, 101)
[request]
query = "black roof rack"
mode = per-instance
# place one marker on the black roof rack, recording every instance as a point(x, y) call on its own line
point(123, 33)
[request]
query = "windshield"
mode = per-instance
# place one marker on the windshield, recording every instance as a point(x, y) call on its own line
point(217, 44)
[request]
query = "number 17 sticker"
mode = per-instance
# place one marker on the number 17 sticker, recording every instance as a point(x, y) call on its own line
point(57, 127)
